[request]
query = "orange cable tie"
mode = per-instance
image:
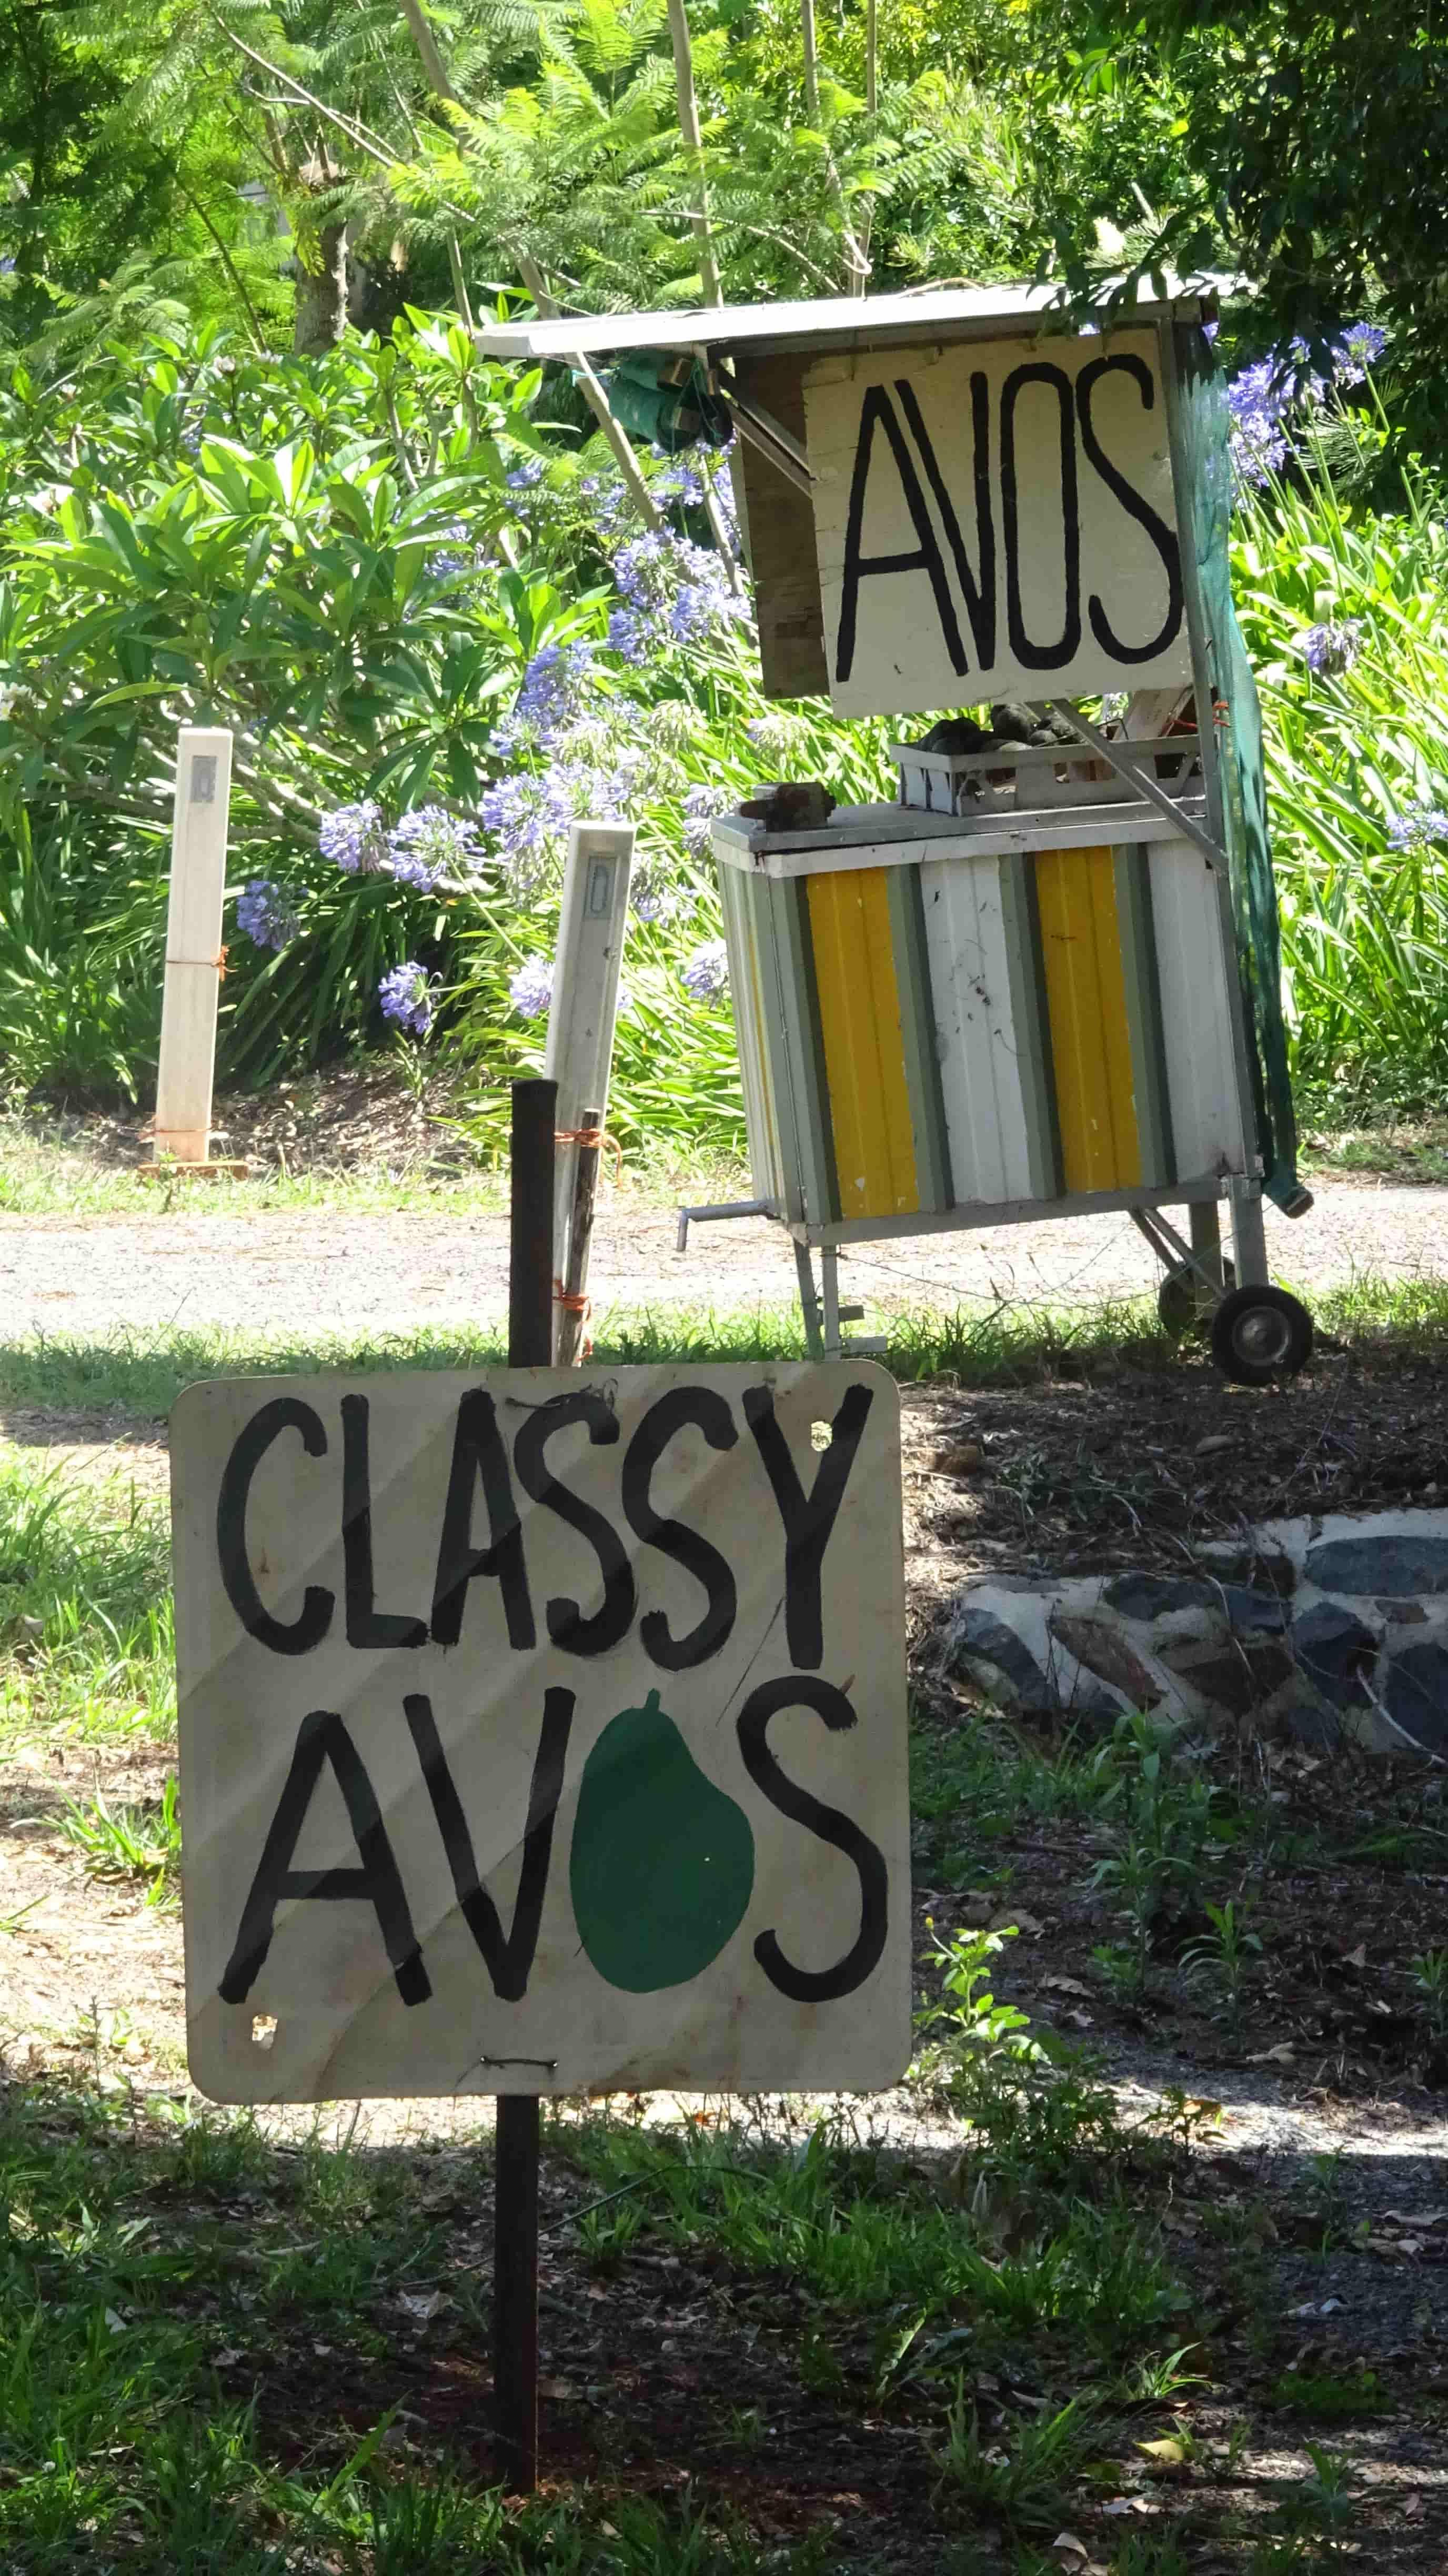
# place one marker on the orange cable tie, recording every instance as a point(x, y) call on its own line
point(596, 1140)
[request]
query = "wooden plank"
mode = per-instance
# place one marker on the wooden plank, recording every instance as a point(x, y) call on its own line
point(584, 1008)
point(868, 835)
point(781, 539)
point(190, 993)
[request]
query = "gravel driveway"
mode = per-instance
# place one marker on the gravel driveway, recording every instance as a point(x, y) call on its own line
point(315, 1271)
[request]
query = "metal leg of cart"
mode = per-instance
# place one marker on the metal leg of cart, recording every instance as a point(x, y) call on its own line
point(1206, 1227)
point(1249, 1235)
point(809, 1304)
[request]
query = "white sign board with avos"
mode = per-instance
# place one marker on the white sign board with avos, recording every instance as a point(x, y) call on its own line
point(995, 519)
point(542, 1731)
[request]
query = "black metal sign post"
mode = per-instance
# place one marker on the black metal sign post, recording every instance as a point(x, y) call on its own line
point(515, 2184)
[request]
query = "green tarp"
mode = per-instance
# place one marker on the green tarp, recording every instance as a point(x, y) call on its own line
point(1208, 477)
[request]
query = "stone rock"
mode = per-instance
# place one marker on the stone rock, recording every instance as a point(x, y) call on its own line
point(1154, 1596)
point(1105, 1652)
point(1404, 1614)
point(1237, 1681)
point(1147, 1596)
point(976, 1639)
point(965, 1458)
point(1310, 1724)
point(1395, 1564)
point(1263, 1569)
point(1415, 1695)
point(1334, 1649)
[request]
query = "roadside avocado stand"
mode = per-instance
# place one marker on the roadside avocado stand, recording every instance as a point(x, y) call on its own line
point(1045, 980)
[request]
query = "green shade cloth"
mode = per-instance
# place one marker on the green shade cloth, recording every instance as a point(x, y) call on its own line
point(1206, 457)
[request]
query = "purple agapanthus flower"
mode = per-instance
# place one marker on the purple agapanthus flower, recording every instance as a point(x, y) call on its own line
point(1416, 824)
point(407, 995)
point(551, 696)
point(529, 816)
point(531, 989)
point(354, 838)
point(628, 634)
point(1334, 646)
point(427, 845)
point(1255, 400)
point(524, 476)
point(706, 973)
point(700, 806)
point(1360, 347)
point(264, 915)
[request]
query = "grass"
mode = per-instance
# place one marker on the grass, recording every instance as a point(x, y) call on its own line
point(86, 1635)
point(136, 1376)
point(209, 2350)
point(129, 1842)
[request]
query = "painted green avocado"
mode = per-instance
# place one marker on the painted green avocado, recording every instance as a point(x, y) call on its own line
point(662, 1865)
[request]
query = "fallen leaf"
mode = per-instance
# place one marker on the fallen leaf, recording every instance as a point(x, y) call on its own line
point(559, 2388)
point(1170, 2451)
point(1015, 1917)
point(1281, 2055)
point(227, 2358)
point(1215, 1440)
point(1065, 1986)
point(421, 2305)
point(1357, 1958)
point(1069, 2546)
point(1128, 2504)
point(117, 2324)
point(1413, 2507)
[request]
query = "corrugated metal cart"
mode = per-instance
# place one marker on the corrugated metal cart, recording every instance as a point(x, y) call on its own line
point(1045, 981)
point(966, 1020)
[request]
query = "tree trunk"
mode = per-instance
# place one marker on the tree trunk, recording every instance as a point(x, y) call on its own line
point(322, 295)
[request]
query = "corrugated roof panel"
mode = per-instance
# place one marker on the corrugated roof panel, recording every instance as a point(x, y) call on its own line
point(834, 322)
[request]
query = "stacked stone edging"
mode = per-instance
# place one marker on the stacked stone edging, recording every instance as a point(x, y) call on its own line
point(1325, 1628)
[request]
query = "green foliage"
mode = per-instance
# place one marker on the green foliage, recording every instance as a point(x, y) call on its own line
point(252, 544)
point(1312, 135)
point(129, 1842)
point(85, 1607)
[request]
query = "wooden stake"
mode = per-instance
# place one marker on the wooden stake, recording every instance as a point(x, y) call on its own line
point(515, 2178)
point(581, 1016)
point(572, 1306)
point(194, 955)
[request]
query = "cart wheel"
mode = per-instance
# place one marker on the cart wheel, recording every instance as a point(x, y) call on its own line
point(1259, 1334)
point(1176, 1299)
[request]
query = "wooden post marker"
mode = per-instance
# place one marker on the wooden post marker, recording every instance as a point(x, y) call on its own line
point(573, 1302)
point(585, 995)
point(194, 954)
point(515, 2176)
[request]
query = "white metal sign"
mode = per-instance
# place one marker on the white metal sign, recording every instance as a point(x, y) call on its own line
point(542, 1731)
point(994, 519)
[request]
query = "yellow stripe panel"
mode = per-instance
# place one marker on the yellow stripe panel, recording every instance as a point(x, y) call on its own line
point(1086, 1002)
point(849, 912)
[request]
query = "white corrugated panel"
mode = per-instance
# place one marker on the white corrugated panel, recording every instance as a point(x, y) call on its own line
point(746, 992)
point(985, 1118)
point(1201, 1077)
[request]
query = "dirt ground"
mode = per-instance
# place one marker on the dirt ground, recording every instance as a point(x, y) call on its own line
point(188, 1258)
